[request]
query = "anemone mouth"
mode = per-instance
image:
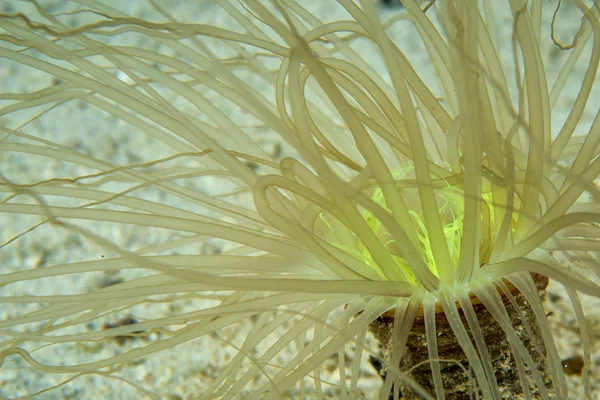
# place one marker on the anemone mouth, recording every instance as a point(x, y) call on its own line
point(451, 208)
point(450, 204)
point(541, 283)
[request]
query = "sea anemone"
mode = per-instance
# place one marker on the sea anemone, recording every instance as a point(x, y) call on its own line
point(284, 186)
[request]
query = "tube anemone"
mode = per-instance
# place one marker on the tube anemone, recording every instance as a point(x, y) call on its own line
point(284, 185)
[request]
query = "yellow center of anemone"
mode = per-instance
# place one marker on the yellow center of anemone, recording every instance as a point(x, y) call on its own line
point(451, 209)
